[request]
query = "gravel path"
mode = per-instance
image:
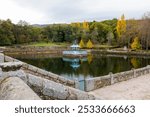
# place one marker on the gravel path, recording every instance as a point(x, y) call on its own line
point(133, 89)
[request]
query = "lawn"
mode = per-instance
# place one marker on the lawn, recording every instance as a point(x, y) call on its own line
point(49, 44)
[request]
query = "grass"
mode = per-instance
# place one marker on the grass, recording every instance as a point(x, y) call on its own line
point(49, 44)
point(54, 44)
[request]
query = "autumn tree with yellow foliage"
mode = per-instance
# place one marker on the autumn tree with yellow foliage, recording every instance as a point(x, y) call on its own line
point(121, 29)
point(85, 31)
point(89, 44)
point(77, 24)
point(81, 44)
point(136, 44)
point(85, 25)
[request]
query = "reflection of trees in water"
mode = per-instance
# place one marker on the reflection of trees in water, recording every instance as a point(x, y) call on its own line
point(94, 66)
point(135, 62)
point(90, 58)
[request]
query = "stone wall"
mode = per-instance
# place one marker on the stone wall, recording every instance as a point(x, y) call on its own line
point(45, 74)
point(119, 52)
point(98, 82)
point(34, 49)
point(48, 89)
point(13, 88)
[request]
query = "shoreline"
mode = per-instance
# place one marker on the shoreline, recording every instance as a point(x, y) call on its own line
point(58, 50)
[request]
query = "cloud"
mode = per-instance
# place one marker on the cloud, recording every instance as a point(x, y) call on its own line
point(56, 11)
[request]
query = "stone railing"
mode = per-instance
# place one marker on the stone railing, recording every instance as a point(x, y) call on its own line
point(48, 89)
point(98, 82)
point(12, 87)
point(45, 74)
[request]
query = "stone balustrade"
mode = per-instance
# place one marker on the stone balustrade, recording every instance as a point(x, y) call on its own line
point(52, 90)
point(11, 83)
point(98, 82)
point(45, 74)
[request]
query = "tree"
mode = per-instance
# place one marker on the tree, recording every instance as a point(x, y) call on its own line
point(136, 44)
point(132, 31)
point(121, 29)
point(110, 38)
point(6, 33)
point(85, 25)
point(81, 44)
point(144, 31)
point(89, 44)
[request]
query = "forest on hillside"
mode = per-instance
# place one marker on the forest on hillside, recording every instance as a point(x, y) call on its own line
point(119, 32)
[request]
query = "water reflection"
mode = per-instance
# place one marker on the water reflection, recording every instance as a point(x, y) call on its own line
point(87, 67)
point(74, 62)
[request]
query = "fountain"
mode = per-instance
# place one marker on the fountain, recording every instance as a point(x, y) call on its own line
point(75, 51)
point(75, 62)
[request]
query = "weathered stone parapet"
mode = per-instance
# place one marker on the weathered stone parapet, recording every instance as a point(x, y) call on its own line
point(43, 73)
point(12, 69)
point(49, 75)
point(13, 88)
point(10, 66)
point(52, 90)
point(98, 82)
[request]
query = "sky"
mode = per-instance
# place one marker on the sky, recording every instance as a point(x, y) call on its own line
point(67, 11)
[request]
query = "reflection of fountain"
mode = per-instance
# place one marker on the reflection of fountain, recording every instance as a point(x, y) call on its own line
point(75, 51)
point(74, 62)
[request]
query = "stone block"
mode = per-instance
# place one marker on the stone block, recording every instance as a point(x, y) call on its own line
point(53, 76)
point(10, 66)
point(25, 65)
point(19, 73)
point(41, 71)
point(71, 83)
point(35, 82)
point(55, 90)
point(13, 88)
point(89, 84)
point(62, 79)
point(79, 95)
point(32, 68)
point(1, 57)
point(8, 59)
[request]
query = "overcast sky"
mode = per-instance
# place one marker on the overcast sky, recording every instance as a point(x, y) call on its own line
point(66, 11)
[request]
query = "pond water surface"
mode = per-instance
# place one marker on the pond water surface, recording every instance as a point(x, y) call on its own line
point(88, 67)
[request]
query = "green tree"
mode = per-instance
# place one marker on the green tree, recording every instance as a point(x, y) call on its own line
point(6, 33)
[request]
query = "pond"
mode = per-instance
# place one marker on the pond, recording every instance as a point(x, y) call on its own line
point(87, 67)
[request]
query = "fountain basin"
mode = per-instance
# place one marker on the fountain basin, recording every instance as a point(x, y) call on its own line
point(75, 53)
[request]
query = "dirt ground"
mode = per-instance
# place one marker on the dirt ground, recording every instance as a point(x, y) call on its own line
point(134, 89)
